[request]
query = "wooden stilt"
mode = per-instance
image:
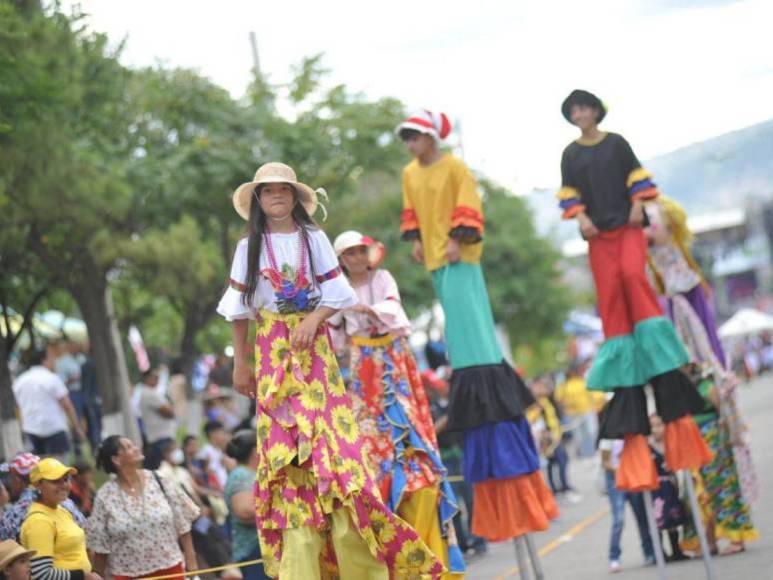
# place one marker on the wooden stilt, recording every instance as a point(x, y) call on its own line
point(708, 561)
point(660, 561)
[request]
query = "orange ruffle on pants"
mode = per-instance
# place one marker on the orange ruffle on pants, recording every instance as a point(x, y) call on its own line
point(512, 507)
point(685, 448)
point(637, 470)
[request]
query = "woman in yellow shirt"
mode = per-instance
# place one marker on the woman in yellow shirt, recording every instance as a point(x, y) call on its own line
point(50, 530)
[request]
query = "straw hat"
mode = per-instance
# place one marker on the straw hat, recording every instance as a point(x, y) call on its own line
point(10, 551)
point(275, 172)
point(352, 239)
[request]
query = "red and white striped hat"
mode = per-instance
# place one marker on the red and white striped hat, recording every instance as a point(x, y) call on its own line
point(23, 463)
point(436, 125)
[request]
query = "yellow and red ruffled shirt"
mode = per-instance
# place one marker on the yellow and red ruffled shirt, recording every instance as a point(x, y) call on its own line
point(442, 201)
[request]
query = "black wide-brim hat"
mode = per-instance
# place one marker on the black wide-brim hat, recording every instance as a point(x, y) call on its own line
point(581, 97)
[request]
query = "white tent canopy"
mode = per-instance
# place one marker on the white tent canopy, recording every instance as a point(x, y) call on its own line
point(745, 322)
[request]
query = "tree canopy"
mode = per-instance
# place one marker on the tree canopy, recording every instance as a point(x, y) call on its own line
point(115, 187)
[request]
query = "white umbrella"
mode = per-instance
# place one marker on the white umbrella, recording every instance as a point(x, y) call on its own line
point(746, 321)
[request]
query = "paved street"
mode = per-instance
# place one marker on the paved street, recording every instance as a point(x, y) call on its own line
point(575, 548)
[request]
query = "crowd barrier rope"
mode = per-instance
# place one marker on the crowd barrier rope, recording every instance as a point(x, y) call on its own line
point(204, 570)
point(451, 479)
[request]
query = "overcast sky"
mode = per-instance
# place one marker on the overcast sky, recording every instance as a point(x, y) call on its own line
point(671, 72)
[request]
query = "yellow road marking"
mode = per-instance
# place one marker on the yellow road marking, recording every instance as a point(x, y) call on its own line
point(563, 538)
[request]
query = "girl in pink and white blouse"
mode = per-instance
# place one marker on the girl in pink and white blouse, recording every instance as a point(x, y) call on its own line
point(389, 401)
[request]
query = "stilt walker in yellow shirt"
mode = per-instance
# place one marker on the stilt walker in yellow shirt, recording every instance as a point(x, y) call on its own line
point(443, 219)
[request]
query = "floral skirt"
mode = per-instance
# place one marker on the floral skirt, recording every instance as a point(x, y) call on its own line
point(393, 413)
point(719, 492)
point(310, 455)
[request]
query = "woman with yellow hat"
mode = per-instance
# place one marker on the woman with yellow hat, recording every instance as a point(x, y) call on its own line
point(317, 508)
point(50, 530)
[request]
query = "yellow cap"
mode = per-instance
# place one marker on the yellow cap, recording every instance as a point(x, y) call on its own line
point(50, 469)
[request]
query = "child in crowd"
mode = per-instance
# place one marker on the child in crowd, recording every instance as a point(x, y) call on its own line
point(551, 439)
point(14, 561)
point(611, 450)
point(82, 488)
point(213, 452)
point(668, 508)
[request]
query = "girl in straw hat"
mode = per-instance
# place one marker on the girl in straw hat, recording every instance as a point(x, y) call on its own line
point(317, 508)
point(390, 404)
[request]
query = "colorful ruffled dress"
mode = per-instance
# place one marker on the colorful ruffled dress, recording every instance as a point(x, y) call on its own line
point(319, 513)
point(393, 412)
point(488, 399)
point(678, 278)
point(603, 179)
point(719, 488)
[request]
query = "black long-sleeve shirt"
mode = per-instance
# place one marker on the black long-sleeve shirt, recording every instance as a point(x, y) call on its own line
point(603, 179)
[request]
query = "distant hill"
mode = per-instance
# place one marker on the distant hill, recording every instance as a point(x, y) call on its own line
point(722, 172)
point(719, 173)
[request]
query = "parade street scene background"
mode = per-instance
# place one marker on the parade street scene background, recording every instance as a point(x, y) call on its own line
point(403, 290)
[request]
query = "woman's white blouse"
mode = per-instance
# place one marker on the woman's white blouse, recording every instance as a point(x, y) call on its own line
point(140, 535)
point(330, 285)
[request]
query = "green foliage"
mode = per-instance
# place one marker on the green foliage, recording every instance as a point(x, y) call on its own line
point(527, 293)
point(124, 177)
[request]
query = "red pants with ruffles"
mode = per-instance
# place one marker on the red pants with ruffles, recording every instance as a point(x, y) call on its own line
point(618, 260)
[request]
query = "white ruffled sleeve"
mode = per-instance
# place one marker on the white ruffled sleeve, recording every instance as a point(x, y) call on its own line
point(231, 306)
point(336, 291)
point(388, 307)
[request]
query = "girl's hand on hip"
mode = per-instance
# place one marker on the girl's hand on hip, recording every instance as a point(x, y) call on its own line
point(303, 335)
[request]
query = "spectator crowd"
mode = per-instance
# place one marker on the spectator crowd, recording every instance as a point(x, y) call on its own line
point(77, 506)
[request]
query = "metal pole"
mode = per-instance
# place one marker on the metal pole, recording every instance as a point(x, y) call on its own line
point(520, 555)
point(255, 57)
point(708, 561)
point(655, 534)
point(534, 557)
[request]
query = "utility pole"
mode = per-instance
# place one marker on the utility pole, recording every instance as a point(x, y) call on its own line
point(255, 57)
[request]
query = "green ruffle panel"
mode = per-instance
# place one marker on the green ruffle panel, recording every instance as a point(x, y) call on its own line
point(633, 359)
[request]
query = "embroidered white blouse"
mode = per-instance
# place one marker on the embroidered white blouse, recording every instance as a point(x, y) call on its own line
point(330, 286)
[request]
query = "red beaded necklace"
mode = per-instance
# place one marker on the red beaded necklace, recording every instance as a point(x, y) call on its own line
point(300, 271)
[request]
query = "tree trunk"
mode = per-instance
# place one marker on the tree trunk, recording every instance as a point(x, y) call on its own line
point(10, 435)
point(95, 303)
point(7, 400)
point(194, 321)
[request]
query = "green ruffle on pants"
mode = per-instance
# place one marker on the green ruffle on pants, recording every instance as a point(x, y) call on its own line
point(470, 333)
point(632, 360)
